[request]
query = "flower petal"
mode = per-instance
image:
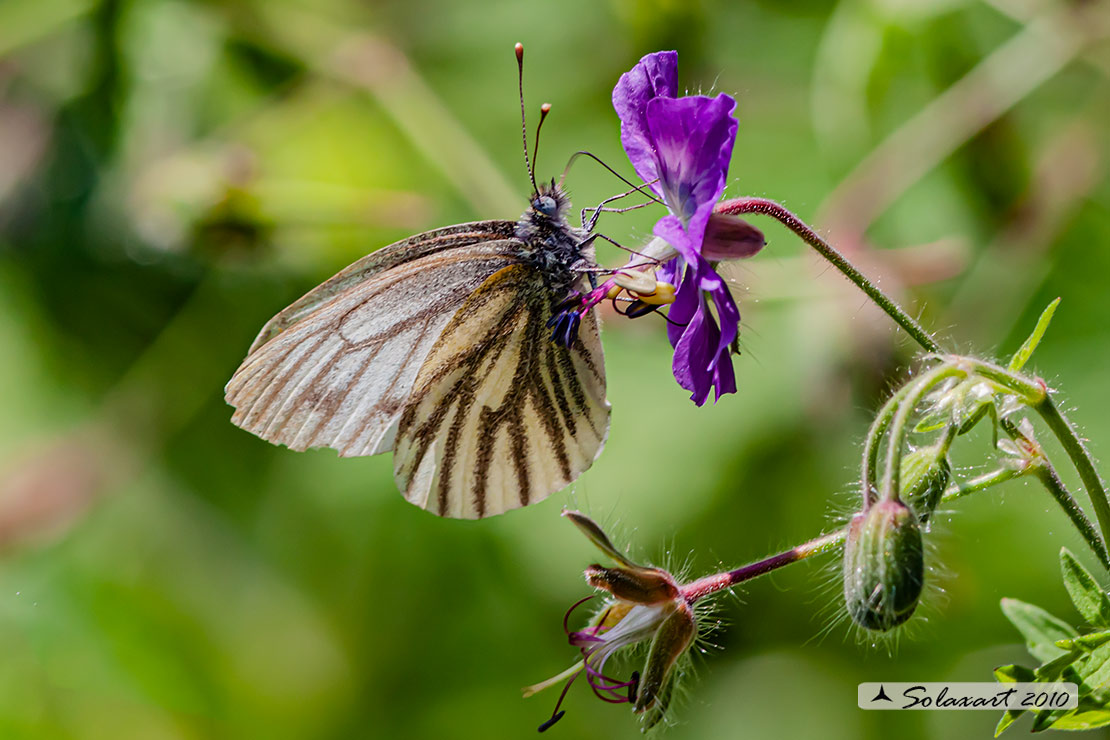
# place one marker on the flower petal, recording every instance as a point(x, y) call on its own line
point(701, 347)
point(655, 75)
point(692, 139)
point(670, 229)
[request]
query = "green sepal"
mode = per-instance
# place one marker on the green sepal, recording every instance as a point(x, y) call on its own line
point(1017, 362)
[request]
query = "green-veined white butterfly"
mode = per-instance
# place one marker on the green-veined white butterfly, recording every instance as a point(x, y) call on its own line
point(437, 347)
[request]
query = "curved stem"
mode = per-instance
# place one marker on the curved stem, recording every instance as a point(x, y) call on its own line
point(892, 480)
point(871, 447)
point(1032, 392)
point(780, 213)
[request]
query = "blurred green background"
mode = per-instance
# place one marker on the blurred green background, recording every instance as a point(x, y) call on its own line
point(172, 173)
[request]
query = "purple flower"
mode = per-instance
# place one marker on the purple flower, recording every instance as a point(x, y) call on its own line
point(682, 147)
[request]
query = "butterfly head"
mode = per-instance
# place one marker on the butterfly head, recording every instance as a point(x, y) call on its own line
point(550, 202)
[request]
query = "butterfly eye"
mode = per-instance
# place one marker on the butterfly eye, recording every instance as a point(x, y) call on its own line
point(546, 205)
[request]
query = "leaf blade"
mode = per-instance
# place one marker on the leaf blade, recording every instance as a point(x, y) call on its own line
point(1017, 362)
point(1089, 598)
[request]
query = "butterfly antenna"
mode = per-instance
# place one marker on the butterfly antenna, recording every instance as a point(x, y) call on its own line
point(544, 110)
point(643, 189)
point(519, 49)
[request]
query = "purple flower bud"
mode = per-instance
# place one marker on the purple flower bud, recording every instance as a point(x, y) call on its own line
point(730, 238)
point(884, 565)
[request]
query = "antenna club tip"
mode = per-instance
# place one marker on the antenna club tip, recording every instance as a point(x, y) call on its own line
point(519, 49)
point(545, 108)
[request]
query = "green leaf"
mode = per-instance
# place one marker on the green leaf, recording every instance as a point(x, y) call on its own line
point(1093, 711)
point(1090, 673)
point(1007, 719)
point(1085, 642)
point(1080, 659)
point(1089, 599)
point(1094, 671)
point(1040, 629)
point(1053, 669)
point(1081, 719)
point(1026, 350)
point(1012, 674)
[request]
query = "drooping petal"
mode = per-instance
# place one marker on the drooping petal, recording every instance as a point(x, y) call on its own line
point(701, 346)
point(655, 75)
point(727, 312)
point(692, 139)
point(693, 353)
point(685, 305)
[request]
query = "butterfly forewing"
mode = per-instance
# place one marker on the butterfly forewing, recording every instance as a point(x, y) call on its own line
point(377, 262)
point(336, 368)
point(500, 416)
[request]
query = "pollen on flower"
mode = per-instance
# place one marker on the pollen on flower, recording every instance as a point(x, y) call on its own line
point(662, 294)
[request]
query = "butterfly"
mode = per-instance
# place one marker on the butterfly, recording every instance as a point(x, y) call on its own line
point(439, 348)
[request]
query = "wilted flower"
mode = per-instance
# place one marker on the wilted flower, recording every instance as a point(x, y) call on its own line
point(644, 605)
point(681, 147)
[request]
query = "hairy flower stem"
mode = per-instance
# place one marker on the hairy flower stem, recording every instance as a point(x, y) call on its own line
point(892, 480)
point(780, 213)
point(832, 541)
point(711, 584)
point(1048, 477)
point(1073, 445)
point(871, 446)
point(1033, 392)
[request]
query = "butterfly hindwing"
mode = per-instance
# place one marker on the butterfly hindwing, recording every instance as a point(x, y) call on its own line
point(500, 416)
point(336, 368)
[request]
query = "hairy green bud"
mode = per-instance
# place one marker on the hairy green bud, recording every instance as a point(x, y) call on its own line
point(884, 566)
point(925, 474)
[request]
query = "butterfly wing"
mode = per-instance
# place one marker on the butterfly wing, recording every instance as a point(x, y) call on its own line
point(500, 416)
point(336, 367)
point(379, 261)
